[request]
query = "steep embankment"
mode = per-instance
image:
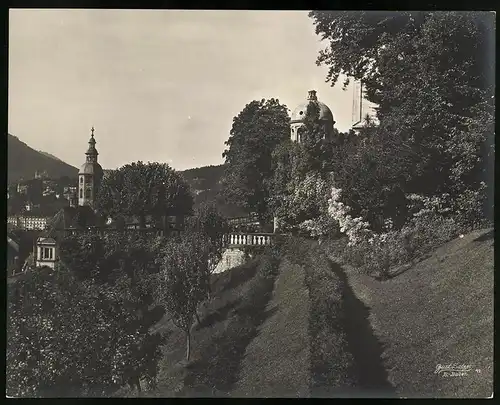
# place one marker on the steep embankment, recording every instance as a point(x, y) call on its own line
point(229, 322)
point(345, 354)
point(439, 312)
point(253, 338)
point(276, 362)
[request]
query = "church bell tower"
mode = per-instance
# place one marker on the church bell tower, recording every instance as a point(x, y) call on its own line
point(90, 175)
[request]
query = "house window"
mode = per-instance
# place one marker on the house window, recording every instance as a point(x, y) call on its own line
point(87, 193)
point(81, 193)
point(81, 180)
point(47, 253)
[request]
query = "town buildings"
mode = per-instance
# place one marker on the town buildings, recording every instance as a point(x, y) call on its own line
point(28, 222)
point(80, 216)
point(89, 177)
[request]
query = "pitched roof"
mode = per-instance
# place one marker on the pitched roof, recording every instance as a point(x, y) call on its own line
point(63, 219)
point(42, 239)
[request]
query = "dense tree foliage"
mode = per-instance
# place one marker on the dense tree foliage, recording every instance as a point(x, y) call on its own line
point(317, 141)
point(431, 75)
point(302, 174)
point(138, 190)
point(256, 131)
point(124, 267)
point(62, 336)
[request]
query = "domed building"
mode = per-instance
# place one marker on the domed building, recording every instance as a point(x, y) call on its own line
point(90, 175)
point(299, 115)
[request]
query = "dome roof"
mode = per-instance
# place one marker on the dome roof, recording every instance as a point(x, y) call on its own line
point(90, 168)
point(299, 114)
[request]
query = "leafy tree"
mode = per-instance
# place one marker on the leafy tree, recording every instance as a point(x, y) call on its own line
point(372, 173)
point(124, 268)
point(48, 311)
point(138, 190)
point(212, 224)
point(255, 133)
point(431, 76)
point(85, 217)
point(182, 281)
point(358, 42)
point(317, 143)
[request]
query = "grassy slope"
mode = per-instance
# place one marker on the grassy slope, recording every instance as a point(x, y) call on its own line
point(229, 323)
point(438, 312)
point(253, 339)
point(277, 361)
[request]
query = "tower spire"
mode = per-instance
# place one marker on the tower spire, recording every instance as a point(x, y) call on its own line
point(92, 151)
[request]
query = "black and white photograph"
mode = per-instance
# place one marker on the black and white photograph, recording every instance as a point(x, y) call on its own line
point(250, 204)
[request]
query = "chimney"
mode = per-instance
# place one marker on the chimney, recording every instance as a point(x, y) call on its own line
point(312, 95)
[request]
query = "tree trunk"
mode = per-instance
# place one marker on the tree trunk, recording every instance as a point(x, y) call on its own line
point(209, 288)
point(135, 383)
point(188, 345)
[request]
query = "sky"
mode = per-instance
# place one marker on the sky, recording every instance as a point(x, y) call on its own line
point(157, 85)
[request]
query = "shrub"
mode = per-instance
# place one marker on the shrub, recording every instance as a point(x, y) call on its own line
point(468, 209)
point(378, 254)
point(428, 231)
point(268, 267)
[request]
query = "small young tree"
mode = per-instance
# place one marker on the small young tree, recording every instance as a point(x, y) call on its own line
point(183, 280)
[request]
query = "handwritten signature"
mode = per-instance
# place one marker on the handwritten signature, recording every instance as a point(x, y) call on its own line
point(454, 370)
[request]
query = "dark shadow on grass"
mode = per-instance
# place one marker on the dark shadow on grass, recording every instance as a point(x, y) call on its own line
point(487, 236)
point(217, 315)
point(240, 275)
point(215, 374)
point(363, 344)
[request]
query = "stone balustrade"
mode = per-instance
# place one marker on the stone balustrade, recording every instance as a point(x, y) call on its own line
point(248, 239)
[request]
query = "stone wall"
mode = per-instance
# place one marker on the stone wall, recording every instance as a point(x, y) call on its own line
point(231, 257)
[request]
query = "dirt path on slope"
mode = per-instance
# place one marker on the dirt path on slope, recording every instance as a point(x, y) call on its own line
point(276, 362)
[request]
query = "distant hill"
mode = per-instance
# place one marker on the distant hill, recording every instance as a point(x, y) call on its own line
point(49, 155)
point(24, 161)
point(206, 184)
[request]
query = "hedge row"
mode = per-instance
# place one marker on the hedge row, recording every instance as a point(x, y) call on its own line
point(332, 364)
